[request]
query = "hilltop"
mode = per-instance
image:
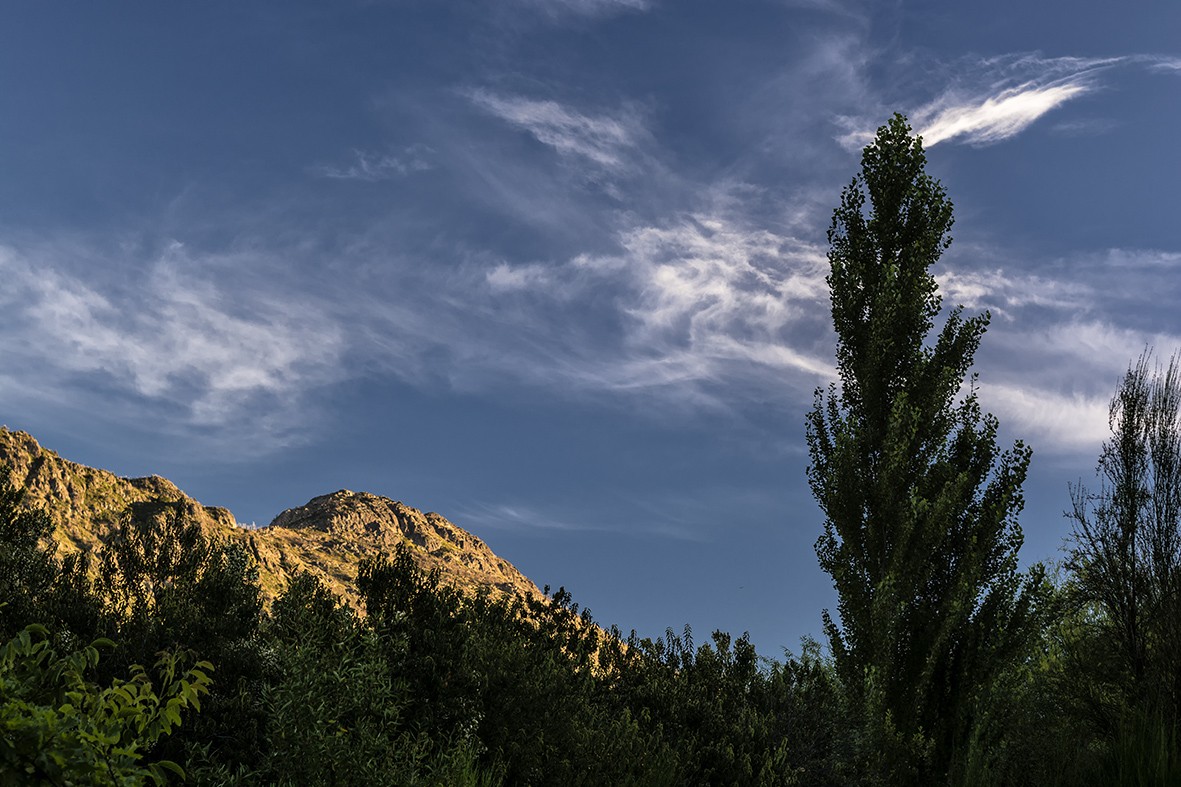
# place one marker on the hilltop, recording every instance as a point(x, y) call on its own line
point(327, 537)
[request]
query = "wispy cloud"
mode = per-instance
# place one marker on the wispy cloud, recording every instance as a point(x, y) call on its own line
point(1050, 366)
point(371, 166)
point(660, 521)
point(700, 300)
point(174, 338)
point(604, 140)
point(1071, 422)
point(988, 100)
point(504, 278)
point(1003, 292)
point(995, 118)
point(1087, 127)
point(588, 7)
point(704, 281)
point(701, 311)
point(501, 516)
point(1165, 63)
point(1098, 348)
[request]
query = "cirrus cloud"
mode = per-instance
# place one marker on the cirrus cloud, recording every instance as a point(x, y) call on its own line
point(603, 140)
point(174, 338)
point(988, 100)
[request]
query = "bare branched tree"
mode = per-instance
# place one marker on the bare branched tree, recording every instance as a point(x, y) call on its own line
point(1126, 554)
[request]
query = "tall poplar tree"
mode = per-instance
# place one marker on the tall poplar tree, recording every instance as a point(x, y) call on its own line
point(921, 533)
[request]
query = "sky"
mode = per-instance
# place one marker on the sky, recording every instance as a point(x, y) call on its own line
point(555, 268)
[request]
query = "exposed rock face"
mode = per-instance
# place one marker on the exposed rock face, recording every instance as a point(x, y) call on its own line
point(332, 533)
point(327, 537)
point(85, 503)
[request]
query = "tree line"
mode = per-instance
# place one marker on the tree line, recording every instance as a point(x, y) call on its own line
point(947, 663)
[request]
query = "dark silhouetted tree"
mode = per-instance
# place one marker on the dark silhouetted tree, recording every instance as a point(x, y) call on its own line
point(1126, 554)
point(921, 533)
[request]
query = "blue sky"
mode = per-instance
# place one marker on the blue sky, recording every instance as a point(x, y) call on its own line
point(555, 268)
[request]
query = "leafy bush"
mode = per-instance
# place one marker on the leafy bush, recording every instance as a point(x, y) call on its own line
point(61, 728)
point(166, 586)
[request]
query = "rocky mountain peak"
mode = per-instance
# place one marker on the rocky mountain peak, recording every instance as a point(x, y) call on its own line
point(328, 536)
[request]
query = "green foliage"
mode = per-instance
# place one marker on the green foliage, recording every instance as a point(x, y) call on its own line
point(810, 716)
point(478, 672)
point(61, 728)
point(1144, 753)
point(433, 688)
point(165, 582)
point(27, 568)
point(423, 619)
point(727, 716)
point(1126, 556)
point(167, 586)
point(920, 504)
point(335, 712)
point(1119, 641)
point(548, 715)
point(430, 688)
point(549, 698)
point(34, 585)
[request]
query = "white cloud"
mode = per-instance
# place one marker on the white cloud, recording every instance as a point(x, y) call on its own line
point(1085, 127)
point(600, 139)
point(1093, 283)
point(519, 517)
point(1098, 348)
point(174, 338)
point(370, 166)
point(507, 278)
point(1070, 328)
point(985, 101)
point(514, 517)
point(997, 117)
point(1061, 422)
point(1003, 292)
point(1054, 363)
point(713, 312)
point(1165, 63)
point(1152, 260)
point(706, 276)
point(701, 300)
point(589, 7)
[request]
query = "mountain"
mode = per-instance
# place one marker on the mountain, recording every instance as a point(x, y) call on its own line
point(328, 536)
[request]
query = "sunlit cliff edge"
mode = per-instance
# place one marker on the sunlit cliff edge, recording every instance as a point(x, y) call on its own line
point(327, 537)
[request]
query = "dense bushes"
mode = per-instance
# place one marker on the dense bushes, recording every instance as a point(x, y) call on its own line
point(431, 687)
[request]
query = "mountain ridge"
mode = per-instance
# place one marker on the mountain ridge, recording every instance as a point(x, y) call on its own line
point(327, 537)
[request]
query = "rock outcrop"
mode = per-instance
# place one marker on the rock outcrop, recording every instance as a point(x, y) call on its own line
point(328, 537)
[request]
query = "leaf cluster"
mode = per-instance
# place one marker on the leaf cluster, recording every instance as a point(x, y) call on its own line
point(59, 727)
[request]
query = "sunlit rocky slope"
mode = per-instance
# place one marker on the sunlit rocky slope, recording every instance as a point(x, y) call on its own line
point(327, 537)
